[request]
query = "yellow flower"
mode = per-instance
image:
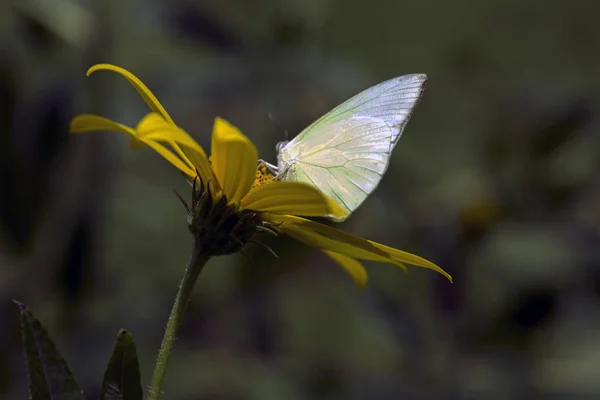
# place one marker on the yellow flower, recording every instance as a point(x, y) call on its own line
point(232, 200)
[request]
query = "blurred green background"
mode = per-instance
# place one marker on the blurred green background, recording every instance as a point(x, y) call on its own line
point(495, 179)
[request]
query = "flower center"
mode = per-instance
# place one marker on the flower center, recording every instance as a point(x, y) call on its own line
point(263, 176)
point(222, 228)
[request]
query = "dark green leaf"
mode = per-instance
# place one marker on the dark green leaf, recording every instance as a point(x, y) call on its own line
point(122, 379)
point(49, 375)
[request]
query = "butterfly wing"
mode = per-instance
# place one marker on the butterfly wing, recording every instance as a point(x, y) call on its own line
point(345, 159)
point(392, 101)
point(346, 152)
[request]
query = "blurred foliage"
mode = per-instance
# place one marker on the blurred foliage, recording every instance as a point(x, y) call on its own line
point(122, 376)
point(49, 374)
point(496, 180)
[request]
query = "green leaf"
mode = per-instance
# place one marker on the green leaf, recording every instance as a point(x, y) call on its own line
point(122, 379)
point(49, 375)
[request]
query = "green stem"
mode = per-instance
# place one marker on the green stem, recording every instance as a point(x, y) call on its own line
point(197, 260)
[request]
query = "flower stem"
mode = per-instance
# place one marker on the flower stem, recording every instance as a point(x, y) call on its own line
point(197, 260)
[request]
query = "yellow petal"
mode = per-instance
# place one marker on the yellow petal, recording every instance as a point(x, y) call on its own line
point(411, 259)
point(90, 122)
point(353, 267)
point(170, 157)
point(234, 159)
point(156, 128)
point(290, 198)
point(322, 242)
point(200, 162)
point(146, 94)
point(327, 235)
point(151, 122)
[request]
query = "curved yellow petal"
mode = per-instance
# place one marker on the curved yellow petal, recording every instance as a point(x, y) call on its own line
point(327, 235)
point(151, 122)
point(170, 157)
point(90, 122)
point(200, 162)
point(154, 127)
point(293, 198)
point(322, 242)
point(353, 267)
point(397, 255)
point(142, 89)
point(234, 159)
point(409, 258)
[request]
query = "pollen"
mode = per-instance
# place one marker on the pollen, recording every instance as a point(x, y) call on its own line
point(262, 176)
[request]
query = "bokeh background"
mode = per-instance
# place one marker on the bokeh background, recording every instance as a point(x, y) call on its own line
point(495, 179)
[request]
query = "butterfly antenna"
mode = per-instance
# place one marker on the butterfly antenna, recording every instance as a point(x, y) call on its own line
point(273, 123)
point(278, 128)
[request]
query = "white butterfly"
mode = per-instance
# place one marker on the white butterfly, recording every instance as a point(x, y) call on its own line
point(346, 152)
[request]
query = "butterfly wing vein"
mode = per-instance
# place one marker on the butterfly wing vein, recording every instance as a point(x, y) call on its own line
point(346, 159)
point(392, 101)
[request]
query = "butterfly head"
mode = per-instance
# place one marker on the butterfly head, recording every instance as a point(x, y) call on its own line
point(279, 146)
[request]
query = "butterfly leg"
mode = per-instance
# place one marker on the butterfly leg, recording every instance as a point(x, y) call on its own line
point(272, 168)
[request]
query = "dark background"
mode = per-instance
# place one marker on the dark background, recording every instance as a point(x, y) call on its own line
point(496, 180)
